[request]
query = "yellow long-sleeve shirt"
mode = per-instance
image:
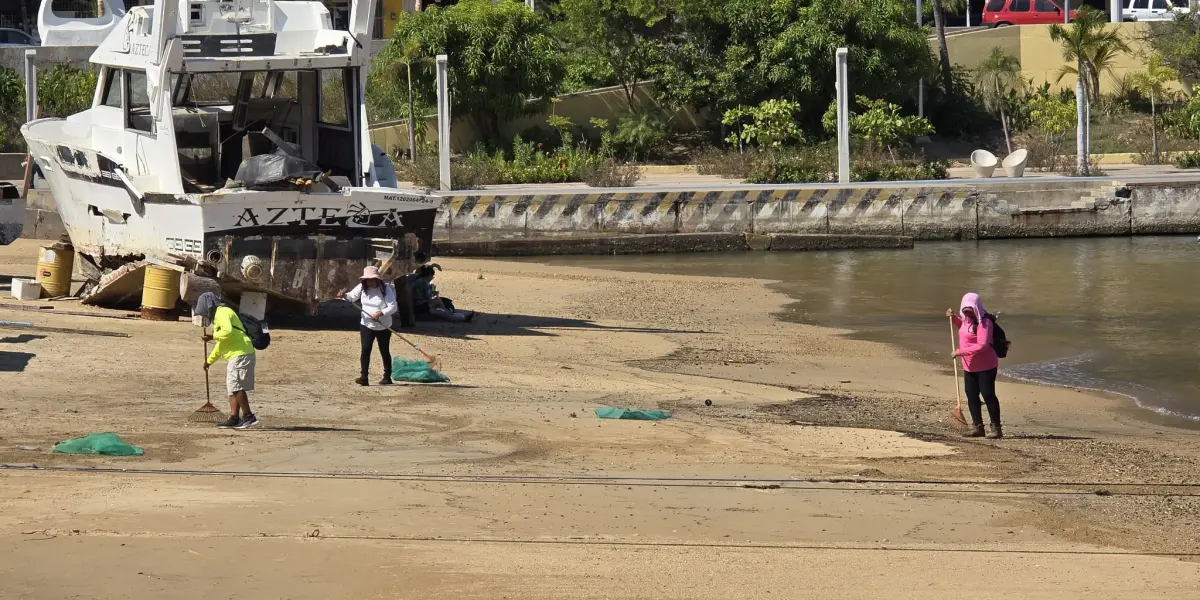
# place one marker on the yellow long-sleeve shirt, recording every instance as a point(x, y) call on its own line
point(230, 336)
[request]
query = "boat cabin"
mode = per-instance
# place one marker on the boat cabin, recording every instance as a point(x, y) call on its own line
point(188, 90)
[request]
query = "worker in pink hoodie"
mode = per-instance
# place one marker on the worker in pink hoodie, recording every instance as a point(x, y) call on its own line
point(980, 363)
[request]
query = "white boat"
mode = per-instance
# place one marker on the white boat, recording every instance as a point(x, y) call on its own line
point(231, 137)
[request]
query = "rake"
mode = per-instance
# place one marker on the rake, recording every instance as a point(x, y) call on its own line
point(207, 413)
point(433, 361)
point(957, 413)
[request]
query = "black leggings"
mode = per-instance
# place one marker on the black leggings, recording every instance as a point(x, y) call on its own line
point(983, 382)
point(368, 337)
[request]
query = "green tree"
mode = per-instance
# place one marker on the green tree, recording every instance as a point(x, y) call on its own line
point(504, 61)
point(995, 77)
point(625, 35)
point(727, 53)
point(1153, 82)
point(1178, 43)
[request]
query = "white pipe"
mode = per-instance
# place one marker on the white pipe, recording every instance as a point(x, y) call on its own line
point(30, 85)
point(443, 98)
point(843, 116)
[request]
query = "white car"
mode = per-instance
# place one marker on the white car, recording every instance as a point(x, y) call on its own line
point(1153, 10)
point(16, 37)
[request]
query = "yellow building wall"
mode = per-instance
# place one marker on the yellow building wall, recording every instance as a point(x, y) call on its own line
point(1041, 57)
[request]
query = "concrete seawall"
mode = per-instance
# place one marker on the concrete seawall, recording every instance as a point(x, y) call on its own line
point(607, 221)
point(944, 211)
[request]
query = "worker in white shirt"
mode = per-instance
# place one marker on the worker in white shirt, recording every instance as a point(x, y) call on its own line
point(378, 303)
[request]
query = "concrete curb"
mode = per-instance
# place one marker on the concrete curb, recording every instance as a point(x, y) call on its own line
point(666, 243)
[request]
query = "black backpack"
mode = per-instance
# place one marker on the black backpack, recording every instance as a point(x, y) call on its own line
point(1000, 341)
point(256, 330)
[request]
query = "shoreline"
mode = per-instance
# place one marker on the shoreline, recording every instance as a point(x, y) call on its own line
point(1080, 483)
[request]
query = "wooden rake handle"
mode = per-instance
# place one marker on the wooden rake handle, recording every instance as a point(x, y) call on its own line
point(954, 360)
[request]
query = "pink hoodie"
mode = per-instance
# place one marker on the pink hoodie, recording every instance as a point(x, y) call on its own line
point(975, 341)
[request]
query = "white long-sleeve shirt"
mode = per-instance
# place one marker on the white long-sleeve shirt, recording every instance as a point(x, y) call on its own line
point(372, 302)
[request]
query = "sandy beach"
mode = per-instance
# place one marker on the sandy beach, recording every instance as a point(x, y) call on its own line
point(824, 468)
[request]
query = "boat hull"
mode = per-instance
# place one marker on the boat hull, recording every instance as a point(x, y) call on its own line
point(296, 246)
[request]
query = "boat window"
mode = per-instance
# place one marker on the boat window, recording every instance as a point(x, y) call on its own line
point(333, 98)
point(112, 88)
point(137, 105)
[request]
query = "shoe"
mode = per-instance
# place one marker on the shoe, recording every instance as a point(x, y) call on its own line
point(247, 422)
point(361, 380)
point(996, 433)
point(230, 423)
point(385, 381)
point(974, 432)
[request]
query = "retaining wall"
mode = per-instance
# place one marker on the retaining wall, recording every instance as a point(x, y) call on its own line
point(937, 212)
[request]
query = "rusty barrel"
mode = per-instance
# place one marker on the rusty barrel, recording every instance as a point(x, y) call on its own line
point(160, 294)
point(54, 270)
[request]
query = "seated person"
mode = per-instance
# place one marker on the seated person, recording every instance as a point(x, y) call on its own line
point(427, 301)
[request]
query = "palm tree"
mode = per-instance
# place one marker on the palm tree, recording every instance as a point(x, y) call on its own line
point(943, 52)
point(1091, 46)
point(995, 77)
point(937, 10)
point(1153, 82)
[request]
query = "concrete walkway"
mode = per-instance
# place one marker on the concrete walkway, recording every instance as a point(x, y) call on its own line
point(668, 181)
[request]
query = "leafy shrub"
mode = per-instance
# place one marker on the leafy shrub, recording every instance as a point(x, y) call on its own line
point(609, 173)
point(1188, 160)
point(731, 165)
point(12, 107)
point(768, 125)
point(531, 162)
point(819, 165)
point(639, 134)
point(65, 90)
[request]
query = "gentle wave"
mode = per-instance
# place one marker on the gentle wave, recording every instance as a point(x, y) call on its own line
point(1066, 372)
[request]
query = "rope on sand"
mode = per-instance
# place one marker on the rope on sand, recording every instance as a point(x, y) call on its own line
point(810, 484)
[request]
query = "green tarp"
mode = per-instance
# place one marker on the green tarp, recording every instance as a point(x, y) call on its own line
point(98, 443)
point(628, 413)
point(415, 371)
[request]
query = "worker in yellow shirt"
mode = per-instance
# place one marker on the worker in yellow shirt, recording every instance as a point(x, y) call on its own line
point(233, 345)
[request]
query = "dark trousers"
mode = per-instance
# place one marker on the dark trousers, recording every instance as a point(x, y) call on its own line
point(977, 384)
point(368, 337)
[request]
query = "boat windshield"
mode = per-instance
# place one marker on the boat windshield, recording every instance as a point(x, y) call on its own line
point(219, 120)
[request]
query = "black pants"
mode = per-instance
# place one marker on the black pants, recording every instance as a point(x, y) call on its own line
point(983, 382)
point(368, 337)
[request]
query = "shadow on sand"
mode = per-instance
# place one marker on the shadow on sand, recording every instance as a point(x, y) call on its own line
point(339, 316)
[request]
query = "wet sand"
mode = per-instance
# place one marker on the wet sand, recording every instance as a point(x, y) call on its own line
point(824, 467)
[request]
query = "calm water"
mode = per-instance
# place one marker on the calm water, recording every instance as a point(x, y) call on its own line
point(1115, 314)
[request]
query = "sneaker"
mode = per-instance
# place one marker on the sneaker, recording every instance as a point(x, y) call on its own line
point(248, 422)
point(361, 381)
point(230, 423)
point(385, 381)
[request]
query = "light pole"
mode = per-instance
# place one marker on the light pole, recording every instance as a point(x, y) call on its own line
point(843, 116)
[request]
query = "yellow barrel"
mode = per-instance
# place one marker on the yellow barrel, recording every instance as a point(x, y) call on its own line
point(160, 289)
point(54, 269)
